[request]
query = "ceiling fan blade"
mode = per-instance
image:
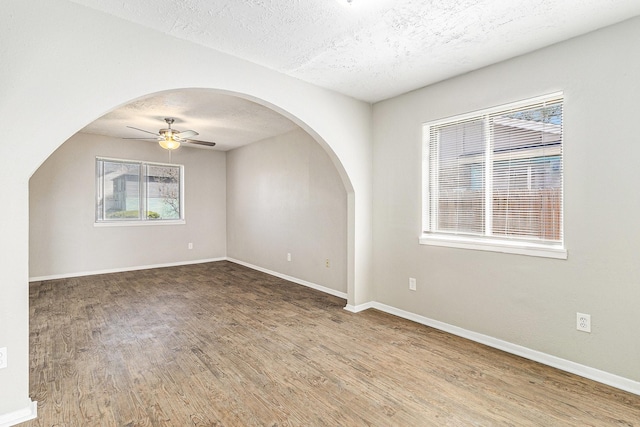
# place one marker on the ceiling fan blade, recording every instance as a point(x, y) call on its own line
point(195, 141)
point(186, 134)
point(155, 139)
point(142, 130)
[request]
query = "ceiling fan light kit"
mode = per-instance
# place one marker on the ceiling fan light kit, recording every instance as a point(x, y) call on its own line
point(168, 143)
point(170, 139)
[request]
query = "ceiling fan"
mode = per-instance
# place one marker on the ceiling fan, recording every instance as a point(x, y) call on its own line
point(170, 139)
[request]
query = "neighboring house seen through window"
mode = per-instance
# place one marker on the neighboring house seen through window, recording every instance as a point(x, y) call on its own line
point(132, 191)
point(493, 179)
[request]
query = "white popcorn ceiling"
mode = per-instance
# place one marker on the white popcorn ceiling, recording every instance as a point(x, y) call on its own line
point(227, 120)
point(372, 49)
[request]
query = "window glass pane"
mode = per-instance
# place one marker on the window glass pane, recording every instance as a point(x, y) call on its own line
point(461, 178)
point(527, 173)
point(137, 191)
point(120, 185)
point(163, 192)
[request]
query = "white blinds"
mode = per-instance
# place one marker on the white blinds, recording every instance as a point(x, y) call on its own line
point(497, 172)
point(458, 177)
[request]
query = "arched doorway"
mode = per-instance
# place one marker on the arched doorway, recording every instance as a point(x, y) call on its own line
point(267, 191)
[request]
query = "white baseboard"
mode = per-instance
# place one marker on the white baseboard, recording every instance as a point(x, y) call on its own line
point(358, 308)
point(123, 269)
point(315, 286)
point(20, 416)
point(546, 359)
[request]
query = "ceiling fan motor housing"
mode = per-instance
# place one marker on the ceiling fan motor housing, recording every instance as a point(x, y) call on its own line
point(169, 131)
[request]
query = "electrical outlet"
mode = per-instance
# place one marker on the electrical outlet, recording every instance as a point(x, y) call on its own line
point(190, 246)
point(326, 263)
point(412, 284)
point(583, 322)
point(3, 357)
point(288, 257)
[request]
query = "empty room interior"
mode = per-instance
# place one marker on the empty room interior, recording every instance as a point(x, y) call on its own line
point(329, 212)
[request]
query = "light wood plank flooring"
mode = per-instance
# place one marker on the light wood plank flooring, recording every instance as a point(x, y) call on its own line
point(219, 344)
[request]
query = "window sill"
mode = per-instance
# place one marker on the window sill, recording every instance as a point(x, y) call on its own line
point(494, 245)
point(138, 223)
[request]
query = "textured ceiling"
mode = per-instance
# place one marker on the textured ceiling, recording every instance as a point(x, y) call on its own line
point(228, 121)
point(368, 49)
point(372, 49)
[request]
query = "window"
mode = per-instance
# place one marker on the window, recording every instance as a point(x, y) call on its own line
point(493, 179)
point(131, 191)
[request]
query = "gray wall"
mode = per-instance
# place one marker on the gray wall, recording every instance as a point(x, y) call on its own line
point(62, 236)
point(284, 195)
point(525, 300)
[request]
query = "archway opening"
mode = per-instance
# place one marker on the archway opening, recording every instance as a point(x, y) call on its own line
point(271, 194)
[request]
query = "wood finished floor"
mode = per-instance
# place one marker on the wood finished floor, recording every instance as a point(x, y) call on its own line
point(219, 344)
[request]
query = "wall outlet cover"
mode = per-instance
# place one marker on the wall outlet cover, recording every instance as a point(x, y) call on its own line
point(3, 357)
point(583, 322)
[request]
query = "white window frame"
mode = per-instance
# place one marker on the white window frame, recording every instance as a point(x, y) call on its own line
point(143, 221)
point(486, 242)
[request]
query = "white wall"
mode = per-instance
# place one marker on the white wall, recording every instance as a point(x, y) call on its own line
point(524, 300)
point(63, 65)
point(63, 239)
point(284, 195)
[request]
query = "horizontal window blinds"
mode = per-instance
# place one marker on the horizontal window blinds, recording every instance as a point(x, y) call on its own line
point(497, 173)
